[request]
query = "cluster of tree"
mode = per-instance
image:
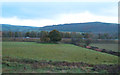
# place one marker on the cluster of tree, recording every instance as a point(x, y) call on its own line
point(85, 38)
point(44, 36)
point(52, 36)
point(34, 34)
point(75, 35)
point(12, 34)
point(107, 36)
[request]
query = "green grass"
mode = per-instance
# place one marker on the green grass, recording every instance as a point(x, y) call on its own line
point(56, 52)
point(113, 47)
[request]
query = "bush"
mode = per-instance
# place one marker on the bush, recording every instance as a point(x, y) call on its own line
point(88, 42)
point(45, 39)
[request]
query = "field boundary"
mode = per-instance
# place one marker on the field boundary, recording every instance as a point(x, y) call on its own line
point(99, 50)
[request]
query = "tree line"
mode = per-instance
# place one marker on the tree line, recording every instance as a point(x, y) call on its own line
point(33, 34)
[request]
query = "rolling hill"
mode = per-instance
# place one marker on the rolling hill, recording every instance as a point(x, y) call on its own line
point(72, 27)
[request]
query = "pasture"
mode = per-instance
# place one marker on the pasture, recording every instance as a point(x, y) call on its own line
point(56, 52)
point(113, 47)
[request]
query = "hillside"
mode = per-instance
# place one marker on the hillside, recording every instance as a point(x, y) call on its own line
point(73, 27)
point(7, 27)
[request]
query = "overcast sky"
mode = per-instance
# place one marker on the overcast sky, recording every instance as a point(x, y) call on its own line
point(48, 13)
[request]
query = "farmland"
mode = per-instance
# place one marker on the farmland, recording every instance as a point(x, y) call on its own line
point(71, 37)
point(56, 52)
point(113, 47)
point(30, 56)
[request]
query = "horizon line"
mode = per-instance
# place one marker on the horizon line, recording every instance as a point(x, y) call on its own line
point(60, 24)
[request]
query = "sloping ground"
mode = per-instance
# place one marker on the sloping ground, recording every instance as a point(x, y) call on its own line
point(72, 27)
point(56, 52)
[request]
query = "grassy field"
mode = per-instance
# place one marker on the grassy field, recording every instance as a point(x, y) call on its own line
point(113, 47)
point(31, 57)
point(56, 52)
